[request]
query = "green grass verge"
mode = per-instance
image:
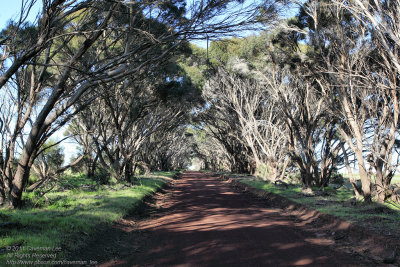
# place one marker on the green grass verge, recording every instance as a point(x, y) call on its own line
point(67, 218)
point(340, 203)
point(169, 174)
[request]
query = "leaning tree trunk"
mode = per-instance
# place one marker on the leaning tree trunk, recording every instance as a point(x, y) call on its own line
point(21, 178)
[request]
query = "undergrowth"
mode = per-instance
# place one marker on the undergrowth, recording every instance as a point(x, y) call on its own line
point(340, 203)
point(65, 218)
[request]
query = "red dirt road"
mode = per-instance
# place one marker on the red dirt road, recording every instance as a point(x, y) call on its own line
point(204, 222)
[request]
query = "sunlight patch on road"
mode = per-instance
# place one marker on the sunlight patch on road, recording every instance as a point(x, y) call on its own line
point(304, 261)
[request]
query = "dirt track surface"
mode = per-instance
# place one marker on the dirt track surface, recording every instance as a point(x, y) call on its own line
point(201, 221)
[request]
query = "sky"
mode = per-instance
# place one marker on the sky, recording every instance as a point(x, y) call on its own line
point(11, 8)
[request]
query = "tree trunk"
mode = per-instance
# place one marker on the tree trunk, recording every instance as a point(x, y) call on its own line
point(22, 174)
point(134, 169)
point(365, 181)
point(19, 183)
point(282, 176)
point(91, 167)
point(2, 196)
point(350, 172)
point(380, 186)
point(128, 171)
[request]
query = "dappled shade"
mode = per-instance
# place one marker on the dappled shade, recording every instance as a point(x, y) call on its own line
point(203, 222)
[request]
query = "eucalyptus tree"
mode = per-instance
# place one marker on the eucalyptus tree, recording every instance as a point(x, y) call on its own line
point(360, 82)
point(168, 149)
point(260, 123)
point(298, 126)
point(212, 118)
point(377, 23)
point(120, 126)
point(130, 117)
point(236, 103)
point(81, 132)
point(21, 41)
point(76, 46)
point(209, 149)
point(313, 140)
point(48, 165)
point(276, 106)
point(224, 126)
point(22, 85)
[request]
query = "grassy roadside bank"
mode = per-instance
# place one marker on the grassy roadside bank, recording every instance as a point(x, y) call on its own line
point(48, 227)
point(383, 219)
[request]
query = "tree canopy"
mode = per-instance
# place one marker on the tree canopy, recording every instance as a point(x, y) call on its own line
point(300, 97)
